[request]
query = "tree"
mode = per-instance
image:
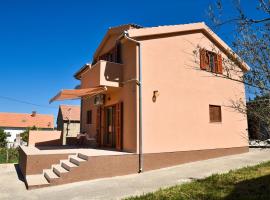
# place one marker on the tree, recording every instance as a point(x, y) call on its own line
point(3, 138)
point(251, 42)
point(25, 134)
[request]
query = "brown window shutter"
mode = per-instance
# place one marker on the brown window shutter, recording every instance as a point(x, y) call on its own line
point(215, 113)
point(203, 64)
point(219, 64)
point(118, 125)
point(98, 130)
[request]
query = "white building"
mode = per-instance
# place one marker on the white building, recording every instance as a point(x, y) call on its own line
point(15, 123)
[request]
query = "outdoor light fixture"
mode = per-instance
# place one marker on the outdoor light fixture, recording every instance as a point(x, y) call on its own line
point(109, 97)
point(155, 95)
point(99, 99)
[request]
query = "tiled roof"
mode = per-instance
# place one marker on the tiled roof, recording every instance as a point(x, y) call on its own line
point(71, 112)
point(128, 25)
point(24, 120)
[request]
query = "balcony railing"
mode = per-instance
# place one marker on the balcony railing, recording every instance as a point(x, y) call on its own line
point(103, 73)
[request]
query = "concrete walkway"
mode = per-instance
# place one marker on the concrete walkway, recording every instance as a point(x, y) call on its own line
point(118, 187)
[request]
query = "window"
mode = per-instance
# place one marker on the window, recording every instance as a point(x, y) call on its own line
point(89, 117)
point(114, 55)
point(215, 113)
point(210, 61)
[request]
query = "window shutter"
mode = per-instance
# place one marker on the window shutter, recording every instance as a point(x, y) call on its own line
point(219, 64)
point(118, 52)
point(118, 125)
point(203, 64)
point(215, 113)
point(98, 130)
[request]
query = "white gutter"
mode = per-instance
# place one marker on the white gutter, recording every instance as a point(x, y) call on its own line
point(139, 83)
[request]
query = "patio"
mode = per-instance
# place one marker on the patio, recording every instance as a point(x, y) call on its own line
point(123, 186)
point(45, 150)
point(53, 165)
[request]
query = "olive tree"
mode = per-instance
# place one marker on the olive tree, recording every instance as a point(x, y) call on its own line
point(251, 42)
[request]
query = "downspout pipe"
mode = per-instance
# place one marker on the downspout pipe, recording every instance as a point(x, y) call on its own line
point(139, 83)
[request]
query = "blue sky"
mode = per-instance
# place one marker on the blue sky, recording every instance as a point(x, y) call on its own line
point(43, 43)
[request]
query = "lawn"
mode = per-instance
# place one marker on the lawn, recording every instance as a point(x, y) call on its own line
point(248, 183)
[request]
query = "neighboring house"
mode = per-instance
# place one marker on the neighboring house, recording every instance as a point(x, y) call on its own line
point(16, 123)
point(68, 121)
point(148, 92)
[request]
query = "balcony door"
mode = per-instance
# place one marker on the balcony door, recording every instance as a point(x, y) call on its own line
point(109, 137)
point(112, 134)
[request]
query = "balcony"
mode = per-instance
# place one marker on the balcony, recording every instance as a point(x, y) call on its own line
point(103, 73)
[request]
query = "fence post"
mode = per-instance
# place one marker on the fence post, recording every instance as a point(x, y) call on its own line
point(7, 156)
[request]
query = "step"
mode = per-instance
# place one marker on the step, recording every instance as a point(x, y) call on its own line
point(58, 170)
point(50, 175)
point(36, 181)
point(76, 160)
point(66, 164)
point(83, 156)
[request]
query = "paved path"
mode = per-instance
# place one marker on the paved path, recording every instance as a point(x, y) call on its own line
point(118, 187)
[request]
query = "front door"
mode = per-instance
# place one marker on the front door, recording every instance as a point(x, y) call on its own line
point(109, 137)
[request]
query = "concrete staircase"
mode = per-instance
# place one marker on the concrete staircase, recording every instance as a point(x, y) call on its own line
point(58, 174)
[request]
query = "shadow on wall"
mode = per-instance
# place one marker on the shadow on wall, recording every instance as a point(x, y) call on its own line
point(257, 188)
point(56, 142)
point(19, 173)
point(113, 72)
point(60, 147)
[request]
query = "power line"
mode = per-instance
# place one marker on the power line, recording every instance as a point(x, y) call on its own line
point(26, 102)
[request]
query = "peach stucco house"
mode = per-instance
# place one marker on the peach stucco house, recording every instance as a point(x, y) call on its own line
point(158, 95)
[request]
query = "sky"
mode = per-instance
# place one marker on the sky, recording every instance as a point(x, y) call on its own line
point(44, 42)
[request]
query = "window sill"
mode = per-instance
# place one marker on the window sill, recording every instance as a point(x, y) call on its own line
point(215, 122)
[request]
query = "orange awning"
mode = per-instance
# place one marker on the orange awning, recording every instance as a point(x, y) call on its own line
point(77, 93)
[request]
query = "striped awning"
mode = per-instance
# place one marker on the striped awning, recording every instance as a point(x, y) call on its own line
point(77, 93)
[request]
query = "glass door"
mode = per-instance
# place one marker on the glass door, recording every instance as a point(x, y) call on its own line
point(109, 134)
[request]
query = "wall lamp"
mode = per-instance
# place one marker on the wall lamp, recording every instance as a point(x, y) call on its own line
point(155, 95)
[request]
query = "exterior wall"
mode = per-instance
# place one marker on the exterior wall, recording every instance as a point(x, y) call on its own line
point(179, 119)
point(88, 104)
point(35, 163)
point(113, 165)
point(126, 94)
point(103, 73)
point(44, 138)
point(74, 129)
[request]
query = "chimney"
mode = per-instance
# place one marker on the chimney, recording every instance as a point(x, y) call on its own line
point(34, 113)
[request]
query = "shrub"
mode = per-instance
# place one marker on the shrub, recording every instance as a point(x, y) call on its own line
point(11, 153)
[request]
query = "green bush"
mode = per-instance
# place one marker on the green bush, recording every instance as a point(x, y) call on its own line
point(3, 138)
point(13, 155)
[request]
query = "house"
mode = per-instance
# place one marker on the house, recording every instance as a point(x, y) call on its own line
point(151, 98)
point(68, 122)
point(148, 89)
point(16, 123)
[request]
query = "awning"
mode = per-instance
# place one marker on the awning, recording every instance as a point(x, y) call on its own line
point(77, 93)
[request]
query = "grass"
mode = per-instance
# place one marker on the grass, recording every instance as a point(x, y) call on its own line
point(13, 155)
point(247, 183)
